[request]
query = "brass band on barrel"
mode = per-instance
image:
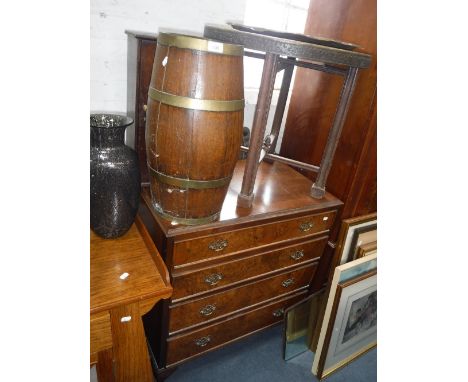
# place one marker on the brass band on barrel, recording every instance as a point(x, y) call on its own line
point(194, 103)
point(189, 183)
point(199, 43)
point(188, 221)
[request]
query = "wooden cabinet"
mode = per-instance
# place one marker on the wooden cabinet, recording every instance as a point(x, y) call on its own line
point(234, 276)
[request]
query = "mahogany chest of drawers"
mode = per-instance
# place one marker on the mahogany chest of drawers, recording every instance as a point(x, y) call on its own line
point(236, 276)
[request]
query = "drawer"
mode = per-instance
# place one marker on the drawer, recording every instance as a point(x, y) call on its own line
point(100, 334)
point(221, 304)
point(199, 341)
point(222, 275)
point(198, 249)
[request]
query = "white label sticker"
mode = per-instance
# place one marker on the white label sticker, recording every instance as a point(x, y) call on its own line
point(214, 46)
point(325, 218)
point(126, 319)
point(164, 62)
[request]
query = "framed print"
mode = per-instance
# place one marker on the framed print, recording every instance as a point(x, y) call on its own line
point(366, 249)
point(349, 234)
point(341, 274)
point(352, 329)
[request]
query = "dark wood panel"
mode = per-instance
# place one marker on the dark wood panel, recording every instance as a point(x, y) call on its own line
point(362, 198)
point(145, 64)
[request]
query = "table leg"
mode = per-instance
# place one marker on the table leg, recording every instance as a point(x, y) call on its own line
point(246, 195)
point(318, 188)
point(281, 105)
point(131, 356)
point(104, 366)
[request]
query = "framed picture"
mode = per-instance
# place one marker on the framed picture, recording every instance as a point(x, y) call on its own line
point(351, 231)
point(349, 272)
point(366, 249)
point(352, 329)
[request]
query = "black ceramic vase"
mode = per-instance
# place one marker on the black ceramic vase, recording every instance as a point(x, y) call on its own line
point(115, 177)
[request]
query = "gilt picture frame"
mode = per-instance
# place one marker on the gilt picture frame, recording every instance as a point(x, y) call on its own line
point(366, 249)
point(352, 329)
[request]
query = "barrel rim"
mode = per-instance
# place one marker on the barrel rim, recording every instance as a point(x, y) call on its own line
point(186, 221)
point(204, 44)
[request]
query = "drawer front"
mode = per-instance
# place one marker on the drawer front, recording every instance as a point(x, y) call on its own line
point(100, 333)
point(202, 340)
point(223, 303)
point(194, 250)
point(219, 276)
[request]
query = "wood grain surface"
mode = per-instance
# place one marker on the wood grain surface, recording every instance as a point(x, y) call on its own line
point(100, 333)
point(279, 191)
point(183, 316)
point(105, 366)
point(112, 258)
point(127, 278)
point(184, 346)
point(252, 237)
point(239, 269)
point(129, 345)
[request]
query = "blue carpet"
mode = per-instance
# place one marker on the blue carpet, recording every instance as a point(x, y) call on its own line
point(259, 358)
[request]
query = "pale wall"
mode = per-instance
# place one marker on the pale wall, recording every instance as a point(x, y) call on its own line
point(110, 19)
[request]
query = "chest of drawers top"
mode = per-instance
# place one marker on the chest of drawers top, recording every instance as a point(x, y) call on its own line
point(281, 193)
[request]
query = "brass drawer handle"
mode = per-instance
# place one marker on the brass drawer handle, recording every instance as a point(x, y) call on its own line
point(296, 255)
point(218, 245)
point(287, 282)
point(304, 227)
point(214, 278)
point(278, 312)
point(203, 341)
point(207, 310)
